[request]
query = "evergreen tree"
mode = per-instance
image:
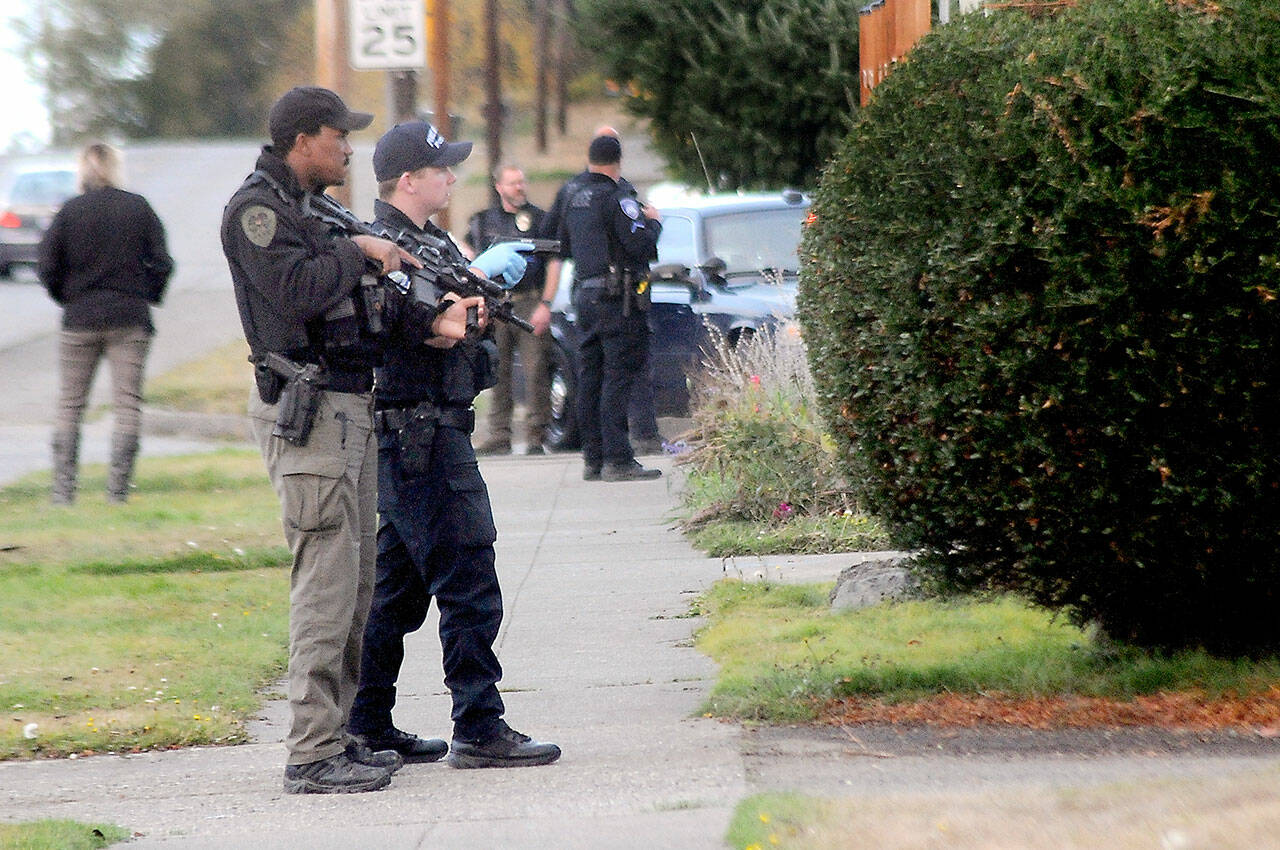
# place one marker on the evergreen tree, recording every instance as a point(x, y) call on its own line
point(762, 89)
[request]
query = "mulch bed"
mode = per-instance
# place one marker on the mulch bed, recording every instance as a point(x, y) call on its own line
point(1259, 713)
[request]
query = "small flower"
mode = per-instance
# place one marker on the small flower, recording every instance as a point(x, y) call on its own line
point(764, 817)
point(31, 731)
point(783, 511)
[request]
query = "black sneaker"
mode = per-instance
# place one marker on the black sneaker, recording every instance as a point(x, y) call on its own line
point(507, 748)
point(632, 471)
point(590, 473)
point(334, 775)
point(361, 753)
point(410, 747)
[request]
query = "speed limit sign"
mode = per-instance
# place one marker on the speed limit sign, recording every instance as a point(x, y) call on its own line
point(388, 34)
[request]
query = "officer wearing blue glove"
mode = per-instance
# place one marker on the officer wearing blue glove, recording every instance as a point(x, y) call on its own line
point(503, 259)
point(436, 534)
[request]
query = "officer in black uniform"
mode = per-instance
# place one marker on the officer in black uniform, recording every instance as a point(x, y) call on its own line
point(297, 291)
point(641, 415)
point(611, 238)
point(437, 533)
point(512, 216)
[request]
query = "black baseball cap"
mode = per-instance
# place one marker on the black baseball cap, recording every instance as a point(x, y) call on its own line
point(604, 150)
point(414, 145)
point(305, 109)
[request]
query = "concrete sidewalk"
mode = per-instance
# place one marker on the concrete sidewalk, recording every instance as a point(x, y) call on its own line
point(597, 656)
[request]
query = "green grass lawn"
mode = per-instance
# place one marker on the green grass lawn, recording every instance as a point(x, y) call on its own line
point(782, 653)
point(150, 624)
point(59, 835)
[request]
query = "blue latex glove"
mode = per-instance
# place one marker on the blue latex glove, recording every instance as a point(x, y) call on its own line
point(503, 259)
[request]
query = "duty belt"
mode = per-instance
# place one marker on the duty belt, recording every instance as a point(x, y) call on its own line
point(445, 416)
point(348, 382)
point(598, 282)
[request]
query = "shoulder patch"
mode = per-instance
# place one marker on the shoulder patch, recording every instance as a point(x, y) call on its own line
point(259, 224)
point(630, 208)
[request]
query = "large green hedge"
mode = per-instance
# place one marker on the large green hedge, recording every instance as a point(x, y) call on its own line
point(1039, 294)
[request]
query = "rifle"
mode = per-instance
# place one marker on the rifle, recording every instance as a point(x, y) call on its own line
point(439, 271)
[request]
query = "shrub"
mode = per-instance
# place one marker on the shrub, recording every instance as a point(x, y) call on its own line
point(1039, 295)
point(760, 451)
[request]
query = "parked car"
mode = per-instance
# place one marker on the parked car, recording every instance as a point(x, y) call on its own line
point(724, 261)
point(28, 200)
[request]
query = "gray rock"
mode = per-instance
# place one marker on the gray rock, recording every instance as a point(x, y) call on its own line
point(872, 582)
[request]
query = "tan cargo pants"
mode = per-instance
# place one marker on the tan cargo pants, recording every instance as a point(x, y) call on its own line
point(328, 499)
point(535, 356)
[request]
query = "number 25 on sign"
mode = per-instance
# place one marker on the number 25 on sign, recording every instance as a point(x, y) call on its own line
point(388, 34)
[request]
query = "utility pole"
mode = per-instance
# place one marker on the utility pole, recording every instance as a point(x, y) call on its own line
point(438, 42)
point(493, 89)
point(332, 70)
point(542, 45)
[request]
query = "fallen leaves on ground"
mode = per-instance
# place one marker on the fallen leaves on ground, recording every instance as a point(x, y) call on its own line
point(1190, 710)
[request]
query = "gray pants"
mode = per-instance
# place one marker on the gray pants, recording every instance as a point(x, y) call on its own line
point(328, 498)
point(79, 353)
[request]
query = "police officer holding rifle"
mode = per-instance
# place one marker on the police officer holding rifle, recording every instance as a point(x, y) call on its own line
point(315, 313)
point(437, 532)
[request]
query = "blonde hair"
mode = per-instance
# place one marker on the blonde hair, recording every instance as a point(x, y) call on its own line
point(99, 167)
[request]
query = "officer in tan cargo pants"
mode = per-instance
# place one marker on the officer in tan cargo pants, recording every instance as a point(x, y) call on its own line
point(298, 291)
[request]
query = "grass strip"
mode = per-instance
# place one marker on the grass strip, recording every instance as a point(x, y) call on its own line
point(59, 835)
point(784, 655)
point(218, 382)
point(146, 625)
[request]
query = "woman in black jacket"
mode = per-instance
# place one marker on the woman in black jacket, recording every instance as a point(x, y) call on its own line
point(104, 260)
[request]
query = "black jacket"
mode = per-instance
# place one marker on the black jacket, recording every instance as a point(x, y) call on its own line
point(412, 372)
point(286, 268)
point(603, 226)
point(104, 259)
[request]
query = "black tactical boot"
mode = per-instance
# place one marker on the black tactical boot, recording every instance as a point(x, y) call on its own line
point(334, 775)
point(505, 748)
point(632, 471)
point(411, 748)
point(361, 753)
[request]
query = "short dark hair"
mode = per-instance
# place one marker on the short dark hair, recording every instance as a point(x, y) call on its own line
point(604, 150)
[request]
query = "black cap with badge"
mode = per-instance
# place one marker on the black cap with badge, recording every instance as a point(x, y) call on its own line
point(305, 109)
point(413, 145)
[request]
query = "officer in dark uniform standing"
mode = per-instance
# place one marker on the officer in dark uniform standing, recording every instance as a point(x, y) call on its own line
point(437, 532)
point(611, 238)
point(514, 217)
point(641, 415)
point(296, 291)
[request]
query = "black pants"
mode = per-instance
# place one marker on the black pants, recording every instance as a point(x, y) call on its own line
point(444, 551)
point(612, 353)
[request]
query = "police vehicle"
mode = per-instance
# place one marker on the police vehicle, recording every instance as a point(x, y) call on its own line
point(724, 261)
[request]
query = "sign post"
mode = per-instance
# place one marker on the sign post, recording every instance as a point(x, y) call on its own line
point(387, 35)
